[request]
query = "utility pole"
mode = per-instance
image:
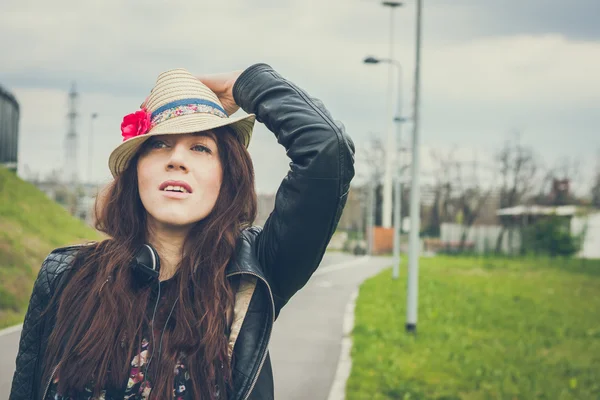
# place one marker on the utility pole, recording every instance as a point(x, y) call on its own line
point(415, 200)
point(71, 141)
point(371, 187)
point(90, 147)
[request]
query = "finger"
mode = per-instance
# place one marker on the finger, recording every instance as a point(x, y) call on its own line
point(208, 80)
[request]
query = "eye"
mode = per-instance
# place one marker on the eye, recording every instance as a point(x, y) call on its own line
point(157, 144)
point(201, 148)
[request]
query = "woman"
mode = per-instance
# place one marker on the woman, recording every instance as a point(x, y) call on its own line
point(180, 301)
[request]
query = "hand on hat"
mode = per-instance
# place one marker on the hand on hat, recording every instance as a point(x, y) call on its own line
point(222, 86)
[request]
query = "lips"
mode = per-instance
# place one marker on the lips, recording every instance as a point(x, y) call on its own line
point(175, 186)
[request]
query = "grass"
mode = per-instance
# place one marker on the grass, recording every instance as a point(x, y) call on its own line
point(31, 225)
point(488, 329)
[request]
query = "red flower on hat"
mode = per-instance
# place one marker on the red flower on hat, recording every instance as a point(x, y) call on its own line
point(135, 124)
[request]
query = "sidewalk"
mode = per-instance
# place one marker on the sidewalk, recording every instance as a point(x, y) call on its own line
point(306, 342)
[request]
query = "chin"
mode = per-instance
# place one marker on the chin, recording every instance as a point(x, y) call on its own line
point(177, 221)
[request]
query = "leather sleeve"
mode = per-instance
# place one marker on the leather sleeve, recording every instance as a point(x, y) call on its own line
point(310, 200)
point(25, 383)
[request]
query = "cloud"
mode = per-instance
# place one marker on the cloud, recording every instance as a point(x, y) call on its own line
point(487, 69)
point(575, 20)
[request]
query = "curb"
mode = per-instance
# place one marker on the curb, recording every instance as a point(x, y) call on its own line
point(342, 373)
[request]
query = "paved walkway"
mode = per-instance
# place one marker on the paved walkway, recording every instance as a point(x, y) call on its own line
point(306, 342)
point(305, 345)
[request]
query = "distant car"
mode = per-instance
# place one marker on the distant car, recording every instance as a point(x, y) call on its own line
point(359, 248)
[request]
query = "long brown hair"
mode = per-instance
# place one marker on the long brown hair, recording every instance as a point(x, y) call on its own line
point(101, 315)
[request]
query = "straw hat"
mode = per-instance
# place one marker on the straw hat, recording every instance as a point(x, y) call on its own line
point(179, 103)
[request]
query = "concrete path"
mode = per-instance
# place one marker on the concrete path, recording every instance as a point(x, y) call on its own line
point(305, 345)
point(9, 345)
point(306, 342)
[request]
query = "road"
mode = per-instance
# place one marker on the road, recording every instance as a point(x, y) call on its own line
point(305, 344)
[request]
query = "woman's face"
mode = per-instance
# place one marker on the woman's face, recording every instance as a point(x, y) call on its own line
point(179, 178)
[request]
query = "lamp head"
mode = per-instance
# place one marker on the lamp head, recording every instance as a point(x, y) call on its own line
point(371, 60)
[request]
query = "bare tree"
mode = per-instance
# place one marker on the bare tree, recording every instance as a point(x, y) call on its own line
point(559, 183)
point(471, 194)
point(595, 191)
point(442, 208)
point(517, 168)
point(373, 156)
point(459, 192)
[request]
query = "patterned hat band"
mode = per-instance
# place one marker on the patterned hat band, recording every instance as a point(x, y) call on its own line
point(184, 107)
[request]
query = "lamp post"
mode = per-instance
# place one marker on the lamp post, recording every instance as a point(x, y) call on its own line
point(415, 194)
point(371, 187)
point(90, 146)
point(389, 155)
point(397, 177)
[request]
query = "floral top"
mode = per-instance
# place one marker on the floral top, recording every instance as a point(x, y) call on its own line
point(137, 388)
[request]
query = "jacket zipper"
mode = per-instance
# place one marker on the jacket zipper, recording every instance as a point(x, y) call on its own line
point(264, 356)
point(49, 381)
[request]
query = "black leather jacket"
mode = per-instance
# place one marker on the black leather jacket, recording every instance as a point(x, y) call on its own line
point(282, 256)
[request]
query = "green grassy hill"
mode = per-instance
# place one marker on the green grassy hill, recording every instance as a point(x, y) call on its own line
point(31, 225)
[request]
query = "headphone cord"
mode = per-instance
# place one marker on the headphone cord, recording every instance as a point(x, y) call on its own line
point(152, 331)
point(164, 328)
point(161, 335)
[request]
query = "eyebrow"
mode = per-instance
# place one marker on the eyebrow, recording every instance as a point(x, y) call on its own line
point(208, 134)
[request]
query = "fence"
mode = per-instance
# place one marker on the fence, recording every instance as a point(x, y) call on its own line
point(480, 238)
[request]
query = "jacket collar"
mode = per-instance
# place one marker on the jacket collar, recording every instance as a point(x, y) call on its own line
point(245, 259)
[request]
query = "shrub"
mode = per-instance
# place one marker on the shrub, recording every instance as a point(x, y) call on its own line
point(551, 236)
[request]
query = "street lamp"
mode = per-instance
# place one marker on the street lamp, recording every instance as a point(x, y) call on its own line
point(389, 157)
point(415, 192)
point(398, 119)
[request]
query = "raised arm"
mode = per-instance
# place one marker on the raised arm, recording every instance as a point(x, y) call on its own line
point(311, 197)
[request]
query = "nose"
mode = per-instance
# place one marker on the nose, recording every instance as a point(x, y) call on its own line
point(177, 159)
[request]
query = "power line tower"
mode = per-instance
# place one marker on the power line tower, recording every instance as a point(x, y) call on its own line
point(71, 140)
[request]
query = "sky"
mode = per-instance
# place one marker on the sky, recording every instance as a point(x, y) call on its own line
point(489, 70)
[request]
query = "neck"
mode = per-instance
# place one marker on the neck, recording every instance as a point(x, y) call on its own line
point(168, 242)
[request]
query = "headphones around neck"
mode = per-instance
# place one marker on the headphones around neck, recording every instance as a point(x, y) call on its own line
point(146, 265)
